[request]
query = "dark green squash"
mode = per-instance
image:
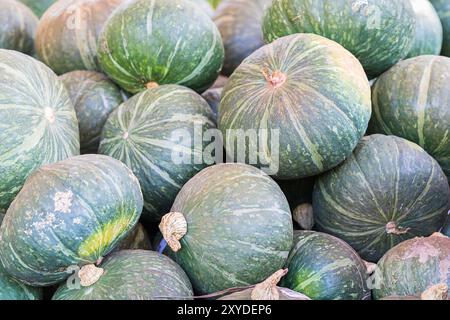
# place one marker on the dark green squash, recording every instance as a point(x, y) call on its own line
point(230, 226)
point(38, 6)
point(412, 101)
point(325, 268)
point(94, 97)
point(239, 23)
point(378, 32)
point(286, 89)
point(163, 42)
point(70, 213)
point(443, 9)
point(133, 275)
point(67, 35)
point(11, 289)
point(17, 27)
point(388, 191)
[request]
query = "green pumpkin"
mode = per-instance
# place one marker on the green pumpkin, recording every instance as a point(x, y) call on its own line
point(239, 23)
point(67, 35)
point(37, 120)
point(144, 134)
point(413, 266)
point(325, 268)
point(17, 27)
point(134, 275)
point(163, 42)
point(238, 228)
point(412, 101)
point(378, 32)
point(94, 97)
point(429, 33)
point(70, 213)
point(289, 87)
point(388, 191)
point(443, 9)
point(11, 289)
point(38, 6)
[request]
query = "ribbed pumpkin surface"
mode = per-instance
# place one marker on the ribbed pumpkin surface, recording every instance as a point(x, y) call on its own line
point(443, 9)
point(11, 289)
point(310, 89)
point(388, 191)
point(38, 6)
point(68, 213)
point(37, 120)
point(134, 275)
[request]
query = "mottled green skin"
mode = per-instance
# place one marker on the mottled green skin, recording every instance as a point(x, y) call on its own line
point(413, 266)
point(212, 96)
point(162, 41)
point(443, 9)
point(144, 134)
point(325, 268)
point(325, 85)
point(94, 97)
point(11, 289)
point(429, 34)
point(386, 179)
point(37, 120)
point(239, 227)
point(378, 32)
point(38, 6)
point(68, 32)
point(59, 209)
point(137, 239)
point(412, 101)
point(17, 27)
point(239, 23)
point(297, 191)
point(134, 275)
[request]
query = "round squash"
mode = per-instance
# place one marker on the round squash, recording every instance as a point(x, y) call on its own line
point(412, 266)
point(94, 97)
point(38, 6)
point(17, 27)
point(11, 289)
point(67, 35)
point(162, 42)
point(133, 275)
point(70, 213)
point(239, 23)
point(378, 32)
point(436, 292)
point(285, 89)
point(429, 33)
point(153, 134)
point(443, 9)
point(230, 226)
point(412, 101)
point(325, 268)
point(37, 120)
point(388, 191)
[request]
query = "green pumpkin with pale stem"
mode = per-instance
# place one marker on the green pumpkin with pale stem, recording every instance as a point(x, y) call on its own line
point(443, 9)
point(70, 213)
point(162, 42)
point(283, 91)
point(11, 289)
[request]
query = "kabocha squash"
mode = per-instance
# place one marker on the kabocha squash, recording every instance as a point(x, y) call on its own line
point(429, 34)
point(69, 213)
point(412, 101)
point(230, 226)
point(37, 120)
point(378, 32)
point(163, 42)
point(388, 191)
point(413, 266)
point(153, 134)
point(17, 26)
point(443, 9)
point(239, 23)
point(325, 268)
point(289, 87)
point(94, 97)
point(436, 292)
point(133, 275)
point(67, 35)
point(38, 6)
point(11, 289)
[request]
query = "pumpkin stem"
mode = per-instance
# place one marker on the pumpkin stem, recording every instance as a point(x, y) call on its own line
point(267, 290)
point(173, 227)
point(303, 215)
point(391, 228)
point(436, 292)
point(276, 78)
point(370, 267)
point(152, 85)
point(89, 274)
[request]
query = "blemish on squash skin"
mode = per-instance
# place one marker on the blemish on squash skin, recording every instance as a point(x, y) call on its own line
point(423, 251)
point(63, 201)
